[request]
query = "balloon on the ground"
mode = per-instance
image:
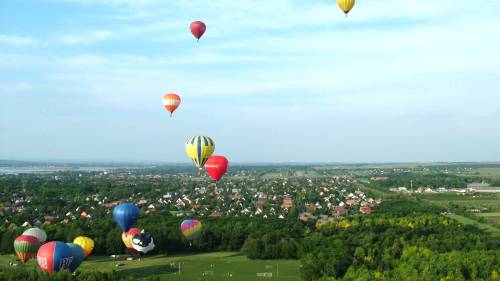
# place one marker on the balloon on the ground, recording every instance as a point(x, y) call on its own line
point(125, 215)
point(198, 28)
point(38, 233)
point(86, 243)
point(191, 229)
point(216, 167)
point(346, 5)
point(199, 148)
point(54, 256)
point(78, 256)
point(171, 102)
point(26, 247)
point(128, 235)
point(143, 243)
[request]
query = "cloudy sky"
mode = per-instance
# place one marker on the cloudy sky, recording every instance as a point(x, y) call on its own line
point(271, 81)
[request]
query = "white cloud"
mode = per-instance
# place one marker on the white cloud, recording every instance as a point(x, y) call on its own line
point(88, 37)
point(17, 40)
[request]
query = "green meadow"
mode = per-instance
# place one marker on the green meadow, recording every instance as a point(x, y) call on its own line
point(207, 267)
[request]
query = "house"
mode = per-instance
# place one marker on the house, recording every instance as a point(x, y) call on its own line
point(365, 210)
point(287, 202)
point(216, 214)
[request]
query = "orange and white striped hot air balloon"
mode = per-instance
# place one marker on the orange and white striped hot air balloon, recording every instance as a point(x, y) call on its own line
point(171, 102)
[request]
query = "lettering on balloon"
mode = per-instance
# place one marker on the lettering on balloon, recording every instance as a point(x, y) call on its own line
point(42, 262)
point(66, 262)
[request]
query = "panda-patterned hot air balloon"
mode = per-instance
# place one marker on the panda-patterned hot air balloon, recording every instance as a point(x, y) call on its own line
point(143, 243)
point(199, 149)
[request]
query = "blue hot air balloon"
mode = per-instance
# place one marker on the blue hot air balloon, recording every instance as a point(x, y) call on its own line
point(126, 214)
point(78, 256)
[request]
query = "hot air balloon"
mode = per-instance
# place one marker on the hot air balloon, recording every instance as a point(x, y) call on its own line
point(38, 233)
point(54, 256)
point(216, 167)
point(78, 256)
point(191, 229)
point(128, 235)
point(198, 28)
point(86, 243)
point(26, 247)
point(143, 243)
point(346, 5)
point(199, 148)
point(171, 102)
point(126, 214)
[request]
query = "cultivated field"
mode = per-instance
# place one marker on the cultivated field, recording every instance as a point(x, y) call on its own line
point(212, 266)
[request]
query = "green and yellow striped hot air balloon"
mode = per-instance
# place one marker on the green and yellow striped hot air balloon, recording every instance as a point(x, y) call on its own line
point(26, 247)
point(199, 148)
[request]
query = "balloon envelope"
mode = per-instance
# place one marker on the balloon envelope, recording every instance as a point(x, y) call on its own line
point(26, 247)
point(199, 148)
point(143, 243)
point(86, 243)
point(216, 167)
point(78, 256)
point(171, 102)
point(38, 233)
point(191, 229)
point(346, 5)
point(128, 235)
point(54, 256)
point(198, 28)
point(126, 214)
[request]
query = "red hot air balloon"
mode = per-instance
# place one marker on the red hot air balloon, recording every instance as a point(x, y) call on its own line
point(216, 167)
point(54, 256)
point(198, 29)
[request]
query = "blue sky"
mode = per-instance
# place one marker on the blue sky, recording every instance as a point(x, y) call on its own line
point(271, 81)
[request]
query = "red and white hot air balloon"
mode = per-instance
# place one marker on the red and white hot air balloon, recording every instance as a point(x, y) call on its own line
point(171, 102)
point(216, 167)
point(198, 28)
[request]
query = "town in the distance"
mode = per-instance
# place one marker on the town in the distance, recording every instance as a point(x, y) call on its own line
point(287, 222)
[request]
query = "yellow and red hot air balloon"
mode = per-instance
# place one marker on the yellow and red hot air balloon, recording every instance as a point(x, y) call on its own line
point(346, 5)
point(171, 102)
point(86, 243)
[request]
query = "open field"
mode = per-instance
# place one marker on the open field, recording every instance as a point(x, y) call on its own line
point(487, 172)
point(483, 226)
point(215, 266)
point(492, 217)
point(490, 201)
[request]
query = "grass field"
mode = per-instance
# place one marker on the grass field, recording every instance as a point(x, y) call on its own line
point(492, 217)
point(215, 266)
point(490, 201)
point(487, 172)
point(483, 226)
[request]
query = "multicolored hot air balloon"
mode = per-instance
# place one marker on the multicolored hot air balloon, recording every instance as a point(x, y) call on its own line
point(198, 28)
point(171, 102)
point(38, 233)
point(54, 256)
point(78, 256)
point(26, 247)
point(143, 243)
point(191, 229)
point(86, 243)
point(128, 235)
point(216, 167)
point(346, 5)
point(199, 148)
point(125, 215)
